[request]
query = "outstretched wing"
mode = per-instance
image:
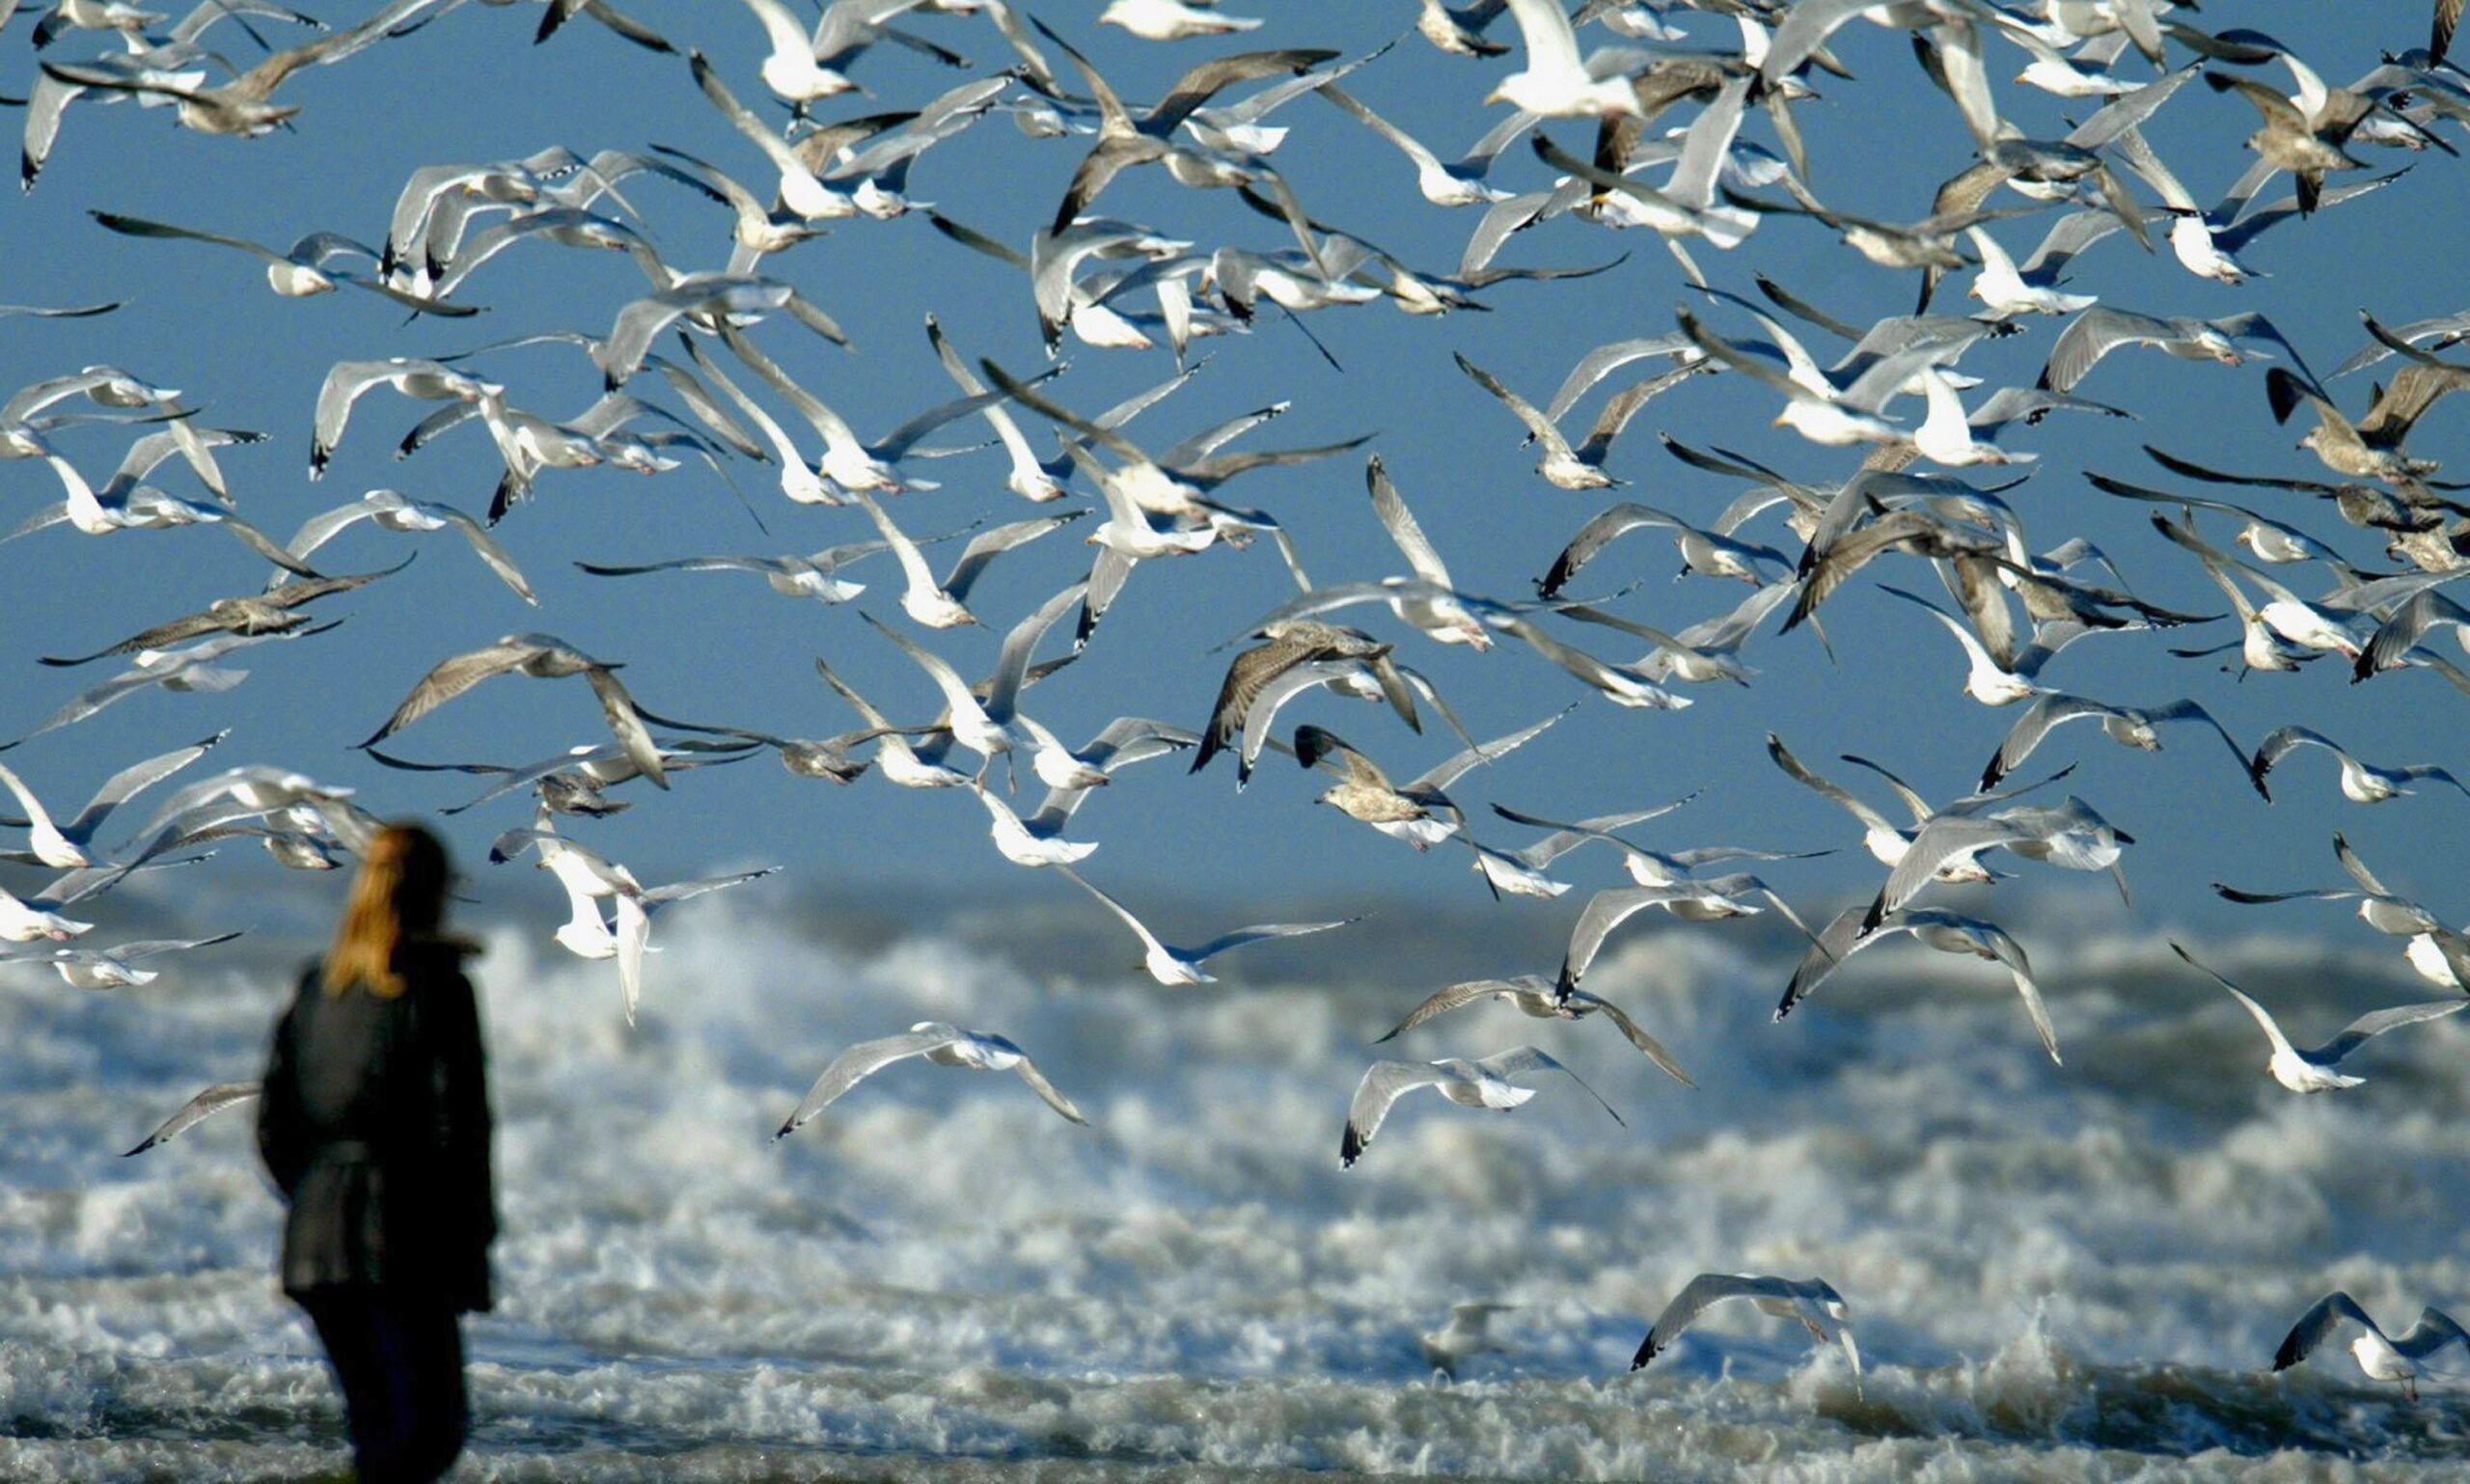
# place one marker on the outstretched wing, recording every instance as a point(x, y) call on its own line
point(1384, 1083)
point(1454, 997)
point(206, 1104)
point(860, 1062)
point(2317, 1325)
point(2375, 1023)
point(1044, 1089)
point(1695, 1299)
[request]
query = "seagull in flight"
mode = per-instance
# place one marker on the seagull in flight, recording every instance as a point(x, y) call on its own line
point(1173, 966)
point(944, 1045)
point(1813, 1303)
point(2380, 1357)
point(1532, 994)
point(1483, 1083)
point(197, 1109)
point(2316, 1070)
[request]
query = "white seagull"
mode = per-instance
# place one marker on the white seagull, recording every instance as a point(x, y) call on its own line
point(197, 1109)
point(1173, 966)
point(2313, 1070)
point(1532, 994)
point(941, 1044)
point(2380, 1356)
point(1483, 1083)
point(1812, 1302)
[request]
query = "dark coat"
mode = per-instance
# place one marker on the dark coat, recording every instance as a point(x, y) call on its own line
point(375, 1124)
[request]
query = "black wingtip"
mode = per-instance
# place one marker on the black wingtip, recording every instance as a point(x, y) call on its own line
point(1350, 1148)
point(1647, 1351)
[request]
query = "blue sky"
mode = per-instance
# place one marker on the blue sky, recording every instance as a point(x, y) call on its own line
point(470, 87)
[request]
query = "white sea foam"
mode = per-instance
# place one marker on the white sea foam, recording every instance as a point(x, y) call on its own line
point(2056, 1272)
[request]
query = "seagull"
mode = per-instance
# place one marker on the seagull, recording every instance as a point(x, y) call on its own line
point(2286, 628)
point(847, 462)
point(1624, 685)
point(2127, 726)
point(2101, 329)
point(1690, 899)
point(1555, 83)
point(2310, 149)
point(240, 107)
point(347, 381)
point(590, 878)
point(944, 604)
point(575, 781)
point(2440, 954)
point(272, 611)
point(2360, 783)
point(1483, 1083)
point(1533, 995)
point(1520, 872)
point(117, 967)
point(1701, 551)
point(1124, 141)
point(1415, 813)
point(941, 1044)
point(393, 511)
point(1582, 467)
point(809, 196)
point(986, 721)
point(2267, 539)
point(2380, 1356)
point(1019, 846)
point(899, 761)
point(2395, 641)
point(1442, 617)
point(1469, 1333)
point(2313, 1071)
point(1812, 1302)
point(543, 657)
point(1172, 20)
point(298, 274)
point(1457, 184)
point(1946, 931)
point(1250, 674)
point(125, 504)
point(789, 69)
point(31, 921)
point(197, 1109)
point(1173, 966)
point(2070, 835)
point(1653, 868)
point(2372, 447)
point(1886, 843)
point(192, 668)
point(1704, 651)
point(67, 845)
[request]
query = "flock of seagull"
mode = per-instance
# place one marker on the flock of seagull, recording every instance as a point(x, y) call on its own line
point(1668, 89)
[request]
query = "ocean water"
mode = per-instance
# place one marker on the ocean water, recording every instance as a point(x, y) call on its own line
point(2055, 1273)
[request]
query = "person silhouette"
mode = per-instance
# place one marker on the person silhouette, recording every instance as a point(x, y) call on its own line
point(375, 1125)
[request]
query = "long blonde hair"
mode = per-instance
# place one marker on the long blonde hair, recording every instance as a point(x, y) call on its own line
point(399, 895)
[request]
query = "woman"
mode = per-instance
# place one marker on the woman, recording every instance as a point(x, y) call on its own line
point(375, 1125)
